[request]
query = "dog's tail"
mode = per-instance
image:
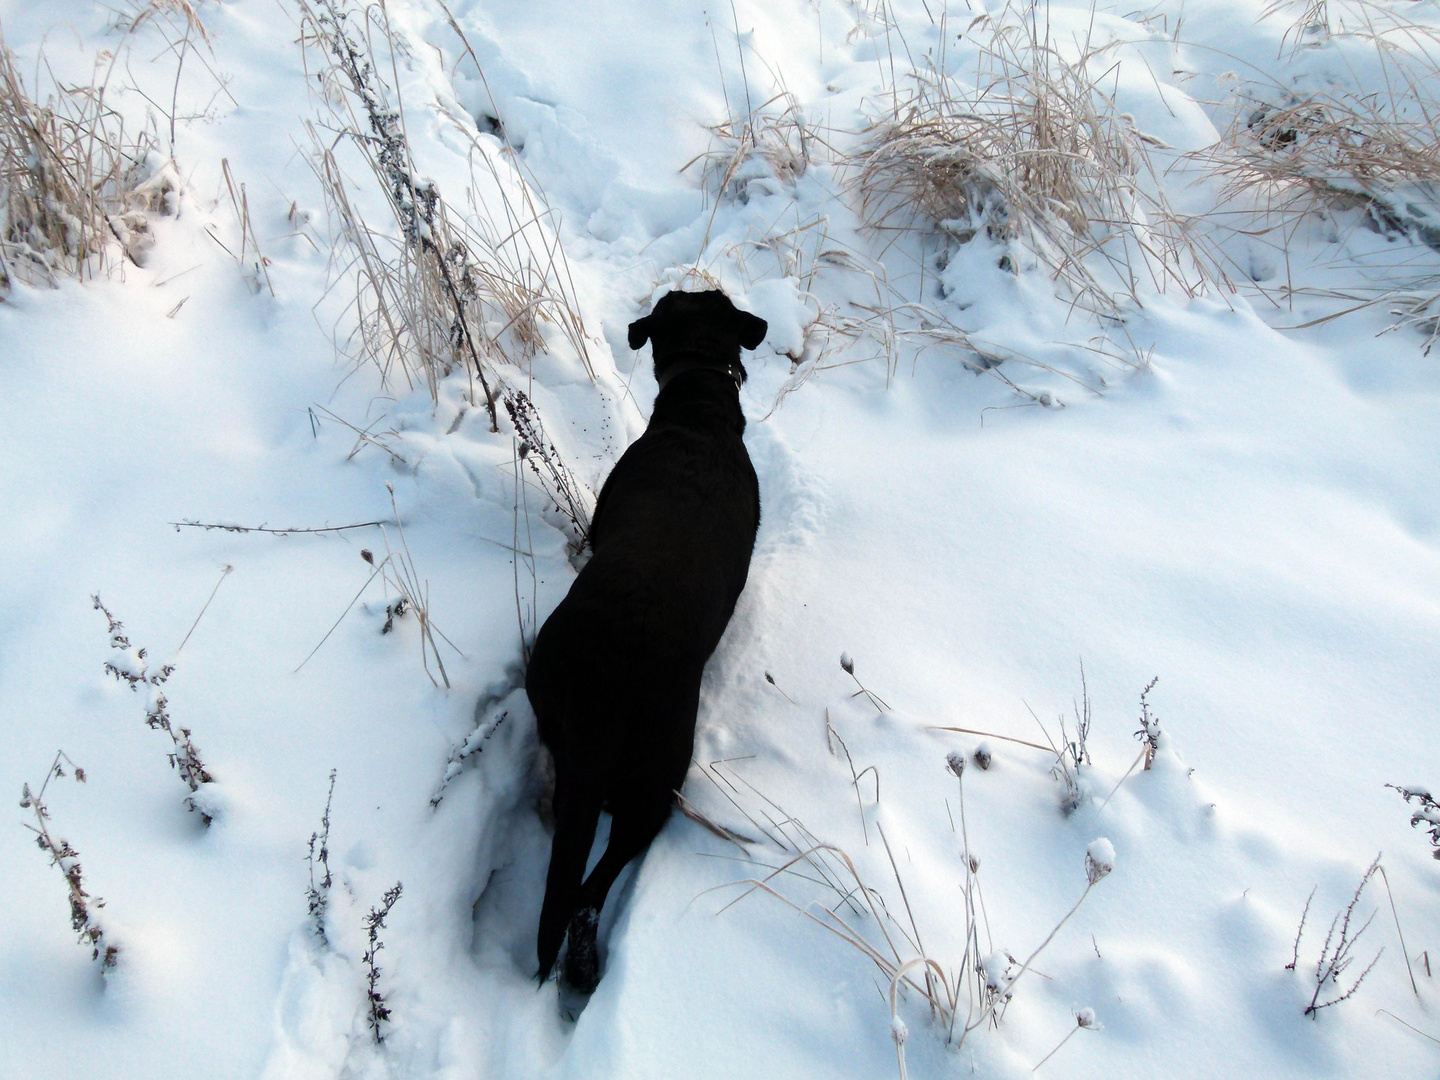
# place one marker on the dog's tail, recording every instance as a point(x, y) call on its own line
point(577, 813)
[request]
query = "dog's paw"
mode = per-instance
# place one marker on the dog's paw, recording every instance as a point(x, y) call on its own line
point(582, 961)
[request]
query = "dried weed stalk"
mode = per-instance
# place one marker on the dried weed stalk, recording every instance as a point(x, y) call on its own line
point(1034, 153)
point(398, 572)
point(473, 288)
point(132, 667)
point(1337, 954)
point(317, 896)
point(770, 146)
point(378, 1012)
point(82, 918)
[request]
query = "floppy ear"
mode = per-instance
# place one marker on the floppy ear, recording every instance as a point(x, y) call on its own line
point(639, 332)
point(751, 328)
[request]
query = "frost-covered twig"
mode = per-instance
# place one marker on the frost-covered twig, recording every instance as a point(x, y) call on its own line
point(228, 526)
point(1336, 954)
point(82, 919)
point(378, 1010)
point(473, 746)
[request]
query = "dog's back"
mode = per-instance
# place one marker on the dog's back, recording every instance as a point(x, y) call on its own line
point(614, 677)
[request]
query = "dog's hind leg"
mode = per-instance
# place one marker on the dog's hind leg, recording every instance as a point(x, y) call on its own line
point(637, 817)
point(577, 811)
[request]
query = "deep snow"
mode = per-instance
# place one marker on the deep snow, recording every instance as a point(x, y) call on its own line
point(1251, 516)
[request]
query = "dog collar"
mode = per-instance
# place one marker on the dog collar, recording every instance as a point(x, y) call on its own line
point(684, 367)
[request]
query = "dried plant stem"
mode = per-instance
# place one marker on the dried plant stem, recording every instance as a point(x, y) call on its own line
point(62, 855)
point(224, 573)
point(378, 1012)
point(1068, 1036)
point(992, 735)
point(995, 1001)
point(1400, 933)
point(226, 526)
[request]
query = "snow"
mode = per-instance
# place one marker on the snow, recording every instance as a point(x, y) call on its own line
point(1251, 515)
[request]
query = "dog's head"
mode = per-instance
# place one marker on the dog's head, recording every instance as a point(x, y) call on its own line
point(703, 323)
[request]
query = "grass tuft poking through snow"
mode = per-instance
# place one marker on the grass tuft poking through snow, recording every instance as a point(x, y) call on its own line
point(1036, 154)
point(76, 185)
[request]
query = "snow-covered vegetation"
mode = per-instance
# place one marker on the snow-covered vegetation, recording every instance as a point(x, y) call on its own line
point(1097, 436)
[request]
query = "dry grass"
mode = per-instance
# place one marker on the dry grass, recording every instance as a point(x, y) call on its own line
point(438, 287)
point(83, 918)
point(76, 185)
point(772, 143)
point(1287, 153)
point(1034, 153)
point(962, 999)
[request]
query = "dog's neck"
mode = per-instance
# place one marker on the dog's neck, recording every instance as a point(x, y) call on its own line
point(699, 387)
point(700, 363)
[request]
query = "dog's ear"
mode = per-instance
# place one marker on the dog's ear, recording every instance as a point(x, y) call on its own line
point(639, 332)
point(751, 328)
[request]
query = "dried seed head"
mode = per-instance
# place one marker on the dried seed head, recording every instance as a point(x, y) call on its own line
point(974, 864)
point(956, 761)
point(898, 1031)
point(1099, 859)
point(365, 554)
point(770, 678)
point(1086, 1018)
point(847, 663)
point(983, 757)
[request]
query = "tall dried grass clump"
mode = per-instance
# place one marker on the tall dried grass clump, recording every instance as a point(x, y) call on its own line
point(440, 287)
point(773, 143)
point(1034, 152)
point(1292, 148)
point(473, 286)
point(1302, 148)
point(76, 185)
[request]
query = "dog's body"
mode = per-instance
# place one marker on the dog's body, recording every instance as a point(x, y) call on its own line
point(614, 677)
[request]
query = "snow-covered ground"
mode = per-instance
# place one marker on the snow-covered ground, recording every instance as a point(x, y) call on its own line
point(1253, 515)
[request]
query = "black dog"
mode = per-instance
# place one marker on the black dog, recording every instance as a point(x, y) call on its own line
point(614, 677)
